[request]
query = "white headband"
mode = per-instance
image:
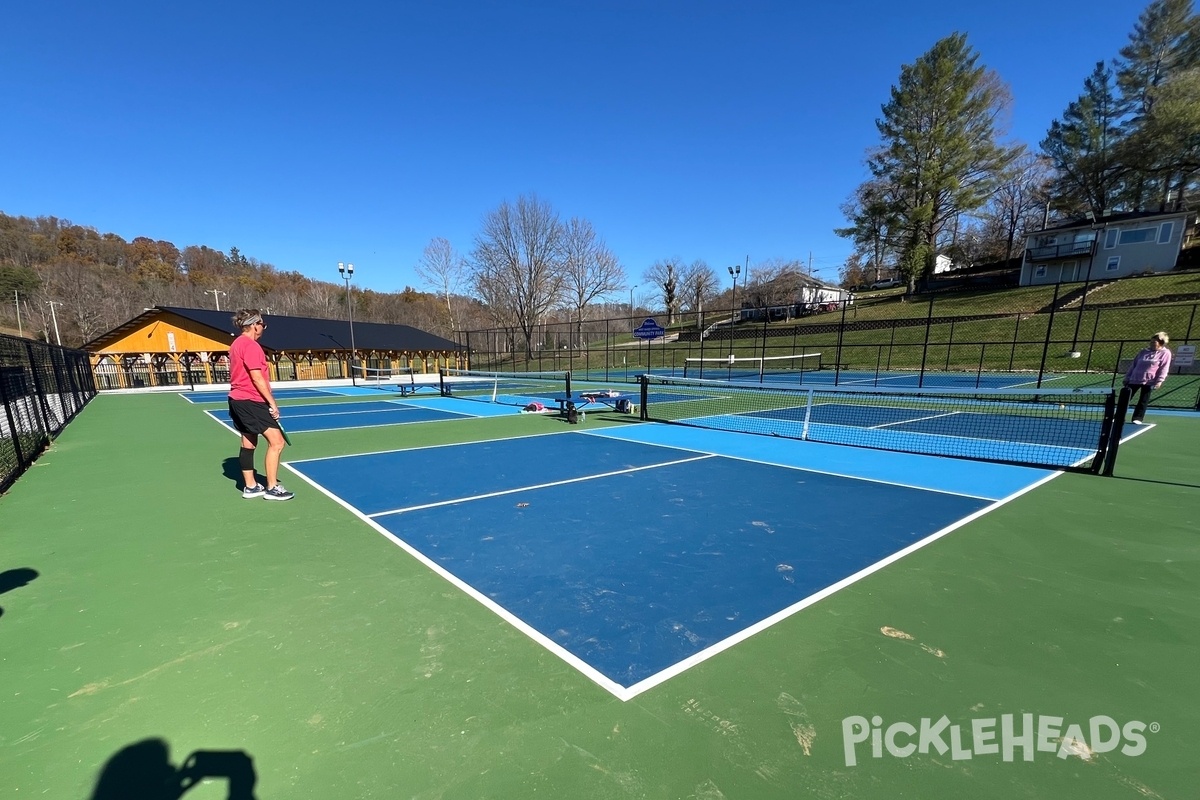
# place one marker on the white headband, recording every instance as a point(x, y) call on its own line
point(252, 321)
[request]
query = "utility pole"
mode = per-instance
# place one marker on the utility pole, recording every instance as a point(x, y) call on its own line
point(17, 298)
point(53, 316)
point(216, 293)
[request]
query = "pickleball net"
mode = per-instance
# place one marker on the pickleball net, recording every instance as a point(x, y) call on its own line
point(507, 388)
point(751, 368)
point(1058, 428)
point(388, 378)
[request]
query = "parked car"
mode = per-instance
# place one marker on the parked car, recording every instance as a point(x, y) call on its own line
point(886, 283)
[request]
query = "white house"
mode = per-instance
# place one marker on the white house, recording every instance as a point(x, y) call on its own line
point(1111, 246)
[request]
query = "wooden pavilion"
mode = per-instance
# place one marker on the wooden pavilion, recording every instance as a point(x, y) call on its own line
point(167, 346)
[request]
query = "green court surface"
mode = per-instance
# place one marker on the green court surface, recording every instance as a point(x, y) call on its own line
point(165, 606)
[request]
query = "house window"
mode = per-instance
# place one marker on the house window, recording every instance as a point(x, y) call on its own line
point(1138, 236)
point(1039, 271)
point(1110, 239)
point(1113, 263)
point(1165, 231)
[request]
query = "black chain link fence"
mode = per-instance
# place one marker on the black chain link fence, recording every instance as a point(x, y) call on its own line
point(42, 388)
point(1065, 335)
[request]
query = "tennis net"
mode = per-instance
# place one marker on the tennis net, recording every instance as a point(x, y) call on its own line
point(1059, 428)
point(759, 368)
point(507, 388)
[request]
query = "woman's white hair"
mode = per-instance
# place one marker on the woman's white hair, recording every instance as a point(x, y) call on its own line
point(245, 317)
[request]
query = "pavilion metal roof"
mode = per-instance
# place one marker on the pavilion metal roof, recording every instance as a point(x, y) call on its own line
point(299, 334)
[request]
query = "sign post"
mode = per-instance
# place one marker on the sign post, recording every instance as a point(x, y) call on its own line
point(648, 331)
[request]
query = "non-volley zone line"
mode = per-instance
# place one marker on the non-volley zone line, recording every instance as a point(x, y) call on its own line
point(633, 560)
point(280, 393)
point(344, 416)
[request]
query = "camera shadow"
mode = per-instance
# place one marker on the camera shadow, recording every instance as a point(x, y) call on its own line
point(144, 770)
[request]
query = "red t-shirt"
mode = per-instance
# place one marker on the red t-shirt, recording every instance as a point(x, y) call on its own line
point(246, 354)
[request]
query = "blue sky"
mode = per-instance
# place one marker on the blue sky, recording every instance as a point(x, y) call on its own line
point(306, 134)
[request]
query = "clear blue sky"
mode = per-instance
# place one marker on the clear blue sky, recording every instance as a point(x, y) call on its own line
point(308, 133)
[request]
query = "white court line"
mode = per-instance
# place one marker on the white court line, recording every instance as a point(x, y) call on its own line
point(741, 636)
point(454, 417)
point(563, 482)
point(906, 421)
point(347, 412)
point(614, 433)
point(433, 446)
point(587, 670)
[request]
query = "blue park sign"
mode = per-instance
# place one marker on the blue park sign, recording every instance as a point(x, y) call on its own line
point(649, 329)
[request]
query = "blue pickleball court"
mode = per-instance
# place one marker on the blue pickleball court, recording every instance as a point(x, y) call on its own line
point(633, 553)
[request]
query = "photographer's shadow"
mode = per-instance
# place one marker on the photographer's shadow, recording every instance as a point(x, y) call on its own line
point(14, 579)
point(144, 771)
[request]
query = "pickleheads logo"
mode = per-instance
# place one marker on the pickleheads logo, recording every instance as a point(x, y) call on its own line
point(1003, 736)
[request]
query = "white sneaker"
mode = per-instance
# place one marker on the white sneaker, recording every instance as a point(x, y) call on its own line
point(1138, 422)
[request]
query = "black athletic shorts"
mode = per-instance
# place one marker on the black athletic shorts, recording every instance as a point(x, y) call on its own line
point(251, 417)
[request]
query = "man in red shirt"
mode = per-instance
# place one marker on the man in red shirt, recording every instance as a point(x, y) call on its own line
point(252, 407)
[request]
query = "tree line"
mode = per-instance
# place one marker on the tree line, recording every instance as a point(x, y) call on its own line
point(57, 274)
point(942, 181)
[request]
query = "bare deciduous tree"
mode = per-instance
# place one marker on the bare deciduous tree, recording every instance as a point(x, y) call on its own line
point(517, 264)
point(666, 274)
point(445, 271)
point(590, 269)
point(698, 284)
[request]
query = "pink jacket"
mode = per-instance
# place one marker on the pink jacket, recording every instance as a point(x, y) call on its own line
point(1149, 367)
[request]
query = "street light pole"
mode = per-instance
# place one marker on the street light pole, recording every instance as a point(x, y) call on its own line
point(347, 272)
point(734, 271)
point(216, 293)
point(631, 288)
point(53, 316)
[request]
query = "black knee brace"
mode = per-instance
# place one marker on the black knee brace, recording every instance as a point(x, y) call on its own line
point(246, 459)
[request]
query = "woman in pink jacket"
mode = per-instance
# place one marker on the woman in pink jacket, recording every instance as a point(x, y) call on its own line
point(1147, 372)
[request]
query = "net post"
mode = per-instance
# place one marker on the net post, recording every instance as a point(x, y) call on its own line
point(1110, 404)
point(442, 390)
point(1118, 427)
point(568, 380)
point(808, 407)
point(644, 380)
point(925, 345)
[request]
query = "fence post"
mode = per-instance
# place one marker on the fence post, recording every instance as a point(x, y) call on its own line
point(1016, 337)
point(1087, 365)
point(925, 348)
point(1049, 331)
point(40, 389)
point(8, 403)
point(949, 345)
point(766, 319)
point(841, 332)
